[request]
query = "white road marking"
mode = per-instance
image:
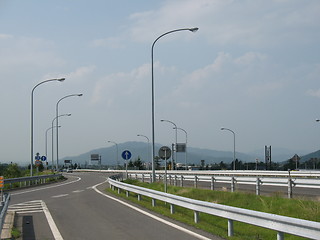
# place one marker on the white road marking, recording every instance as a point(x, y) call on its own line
point(77, 191)
point(27, 207)
point(151, 215)
point(53, 226)
point(61, 195)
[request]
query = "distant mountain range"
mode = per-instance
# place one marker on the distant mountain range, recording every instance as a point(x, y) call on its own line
point(194, 155)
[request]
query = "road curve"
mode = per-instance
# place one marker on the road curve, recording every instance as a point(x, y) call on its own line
point(79, 208)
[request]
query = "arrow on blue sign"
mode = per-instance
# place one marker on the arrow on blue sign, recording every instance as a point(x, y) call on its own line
point(126, 155)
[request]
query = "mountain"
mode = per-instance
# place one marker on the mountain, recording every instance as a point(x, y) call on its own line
point(307, 157)
point(194, 155)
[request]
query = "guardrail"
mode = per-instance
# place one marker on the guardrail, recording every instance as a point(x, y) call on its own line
point(281, 224)
point(3, 209)
point(28, 181)
point(289, 181)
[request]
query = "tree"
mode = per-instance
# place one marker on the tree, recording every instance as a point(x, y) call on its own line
point(13, 171)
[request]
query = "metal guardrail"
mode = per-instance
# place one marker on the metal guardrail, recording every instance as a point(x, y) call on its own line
point(3, 209)
point(27, 181)
point(290, 182)
point(281, 224)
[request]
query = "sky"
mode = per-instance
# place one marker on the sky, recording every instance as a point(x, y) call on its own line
point(253, 67)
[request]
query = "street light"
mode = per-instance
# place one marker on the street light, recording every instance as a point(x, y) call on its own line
point(176, 128)
point(49, 80)
point(68, 115)
point(117, 152)
point(234, 147)
point(47, 141)
point(57, 114)
point(186, 144)
point(140, 135)
point(152, 93)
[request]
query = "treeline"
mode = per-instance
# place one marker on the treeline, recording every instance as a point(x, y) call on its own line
point(12, 170)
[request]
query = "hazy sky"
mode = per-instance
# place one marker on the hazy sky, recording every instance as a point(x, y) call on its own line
point(253, 67)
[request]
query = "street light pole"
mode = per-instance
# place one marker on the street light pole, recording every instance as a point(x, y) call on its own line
point(47, 140)
point(234, 147)
point(176, 130)
point(117, 152)
point(68, 115)
point(152, 94)
point(57, 132)
point(140, 135)
point(186, 158)
point(49, 80)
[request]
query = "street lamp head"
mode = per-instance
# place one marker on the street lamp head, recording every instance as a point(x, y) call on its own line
point(79, 95)
point(61, 79)
point(317, 120)
point(194, 29)
point(69, 114)
point(222, 128)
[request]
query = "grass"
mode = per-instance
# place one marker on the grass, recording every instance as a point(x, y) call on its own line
point(298, 208)
point(15, 233)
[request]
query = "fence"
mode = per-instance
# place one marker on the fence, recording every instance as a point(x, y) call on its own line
point(281, 180)
point(3, 209)
point(28, 181)
point(278, 223)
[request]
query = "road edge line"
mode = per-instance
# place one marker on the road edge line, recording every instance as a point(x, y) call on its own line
point(53, 226)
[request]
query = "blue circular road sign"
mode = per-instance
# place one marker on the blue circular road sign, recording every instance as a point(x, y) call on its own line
point(43, 158)
point(126, 154)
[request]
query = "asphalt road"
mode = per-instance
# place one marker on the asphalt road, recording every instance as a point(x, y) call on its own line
point(80, 209)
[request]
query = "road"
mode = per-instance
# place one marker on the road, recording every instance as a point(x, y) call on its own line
point(80, 209)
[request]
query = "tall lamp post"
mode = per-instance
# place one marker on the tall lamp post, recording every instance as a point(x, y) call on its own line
point(57, 114)
point(234, 147)
point(117, 152)
point(186, 158)
point(52, 126)
point(49, 80)
point(47, 141)
point(152, 93)
point(176, 130)
point(140, 135)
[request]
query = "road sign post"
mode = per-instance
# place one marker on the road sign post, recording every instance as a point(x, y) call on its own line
point(126, 155)
point(164, 154)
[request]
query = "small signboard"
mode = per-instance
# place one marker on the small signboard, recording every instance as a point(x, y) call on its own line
point(126, 154)
point(164, 153)
point(95, 157)
point(43, 158)
point(181, 147)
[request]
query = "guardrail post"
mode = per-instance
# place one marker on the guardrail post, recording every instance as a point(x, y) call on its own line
point(160, 178)
point(280, 236)
point(153, 202)
point(170, 179)
point(196, 216)
point(230, 228)
point(258, 182)
point(119, 190)
point(139, 197)
point(181, 181)
point(142, 177)
point(171, 208)
point(233, 184)
point(290, 185)
point(212, 183)
point(175, 180)
point(127, 193)
point(150, 178)
point(136, 176)
point(195, 181)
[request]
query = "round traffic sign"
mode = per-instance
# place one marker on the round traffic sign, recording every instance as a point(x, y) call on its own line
point(43, 158)
point(164, 152)
point(126, 154)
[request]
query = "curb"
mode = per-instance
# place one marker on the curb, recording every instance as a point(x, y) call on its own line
point(8, 225)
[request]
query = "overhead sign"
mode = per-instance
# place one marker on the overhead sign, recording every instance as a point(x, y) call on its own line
point(181, 147)
point(95, 157)
point(126, 154)
point(164, 153)
point(67, 161)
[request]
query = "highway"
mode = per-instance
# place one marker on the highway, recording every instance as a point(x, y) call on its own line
point(79, 208)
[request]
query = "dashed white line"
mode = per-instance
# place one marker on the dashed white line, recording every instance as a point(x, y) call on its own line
point(61, 195)
point(77, 191)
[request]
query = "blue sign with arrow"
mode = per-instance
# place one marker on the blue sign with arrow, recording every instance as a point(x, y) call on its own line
point(126, 154)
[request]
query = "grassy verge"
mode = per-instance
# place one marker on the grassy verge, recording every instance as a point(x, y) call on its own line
point(304, 209)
